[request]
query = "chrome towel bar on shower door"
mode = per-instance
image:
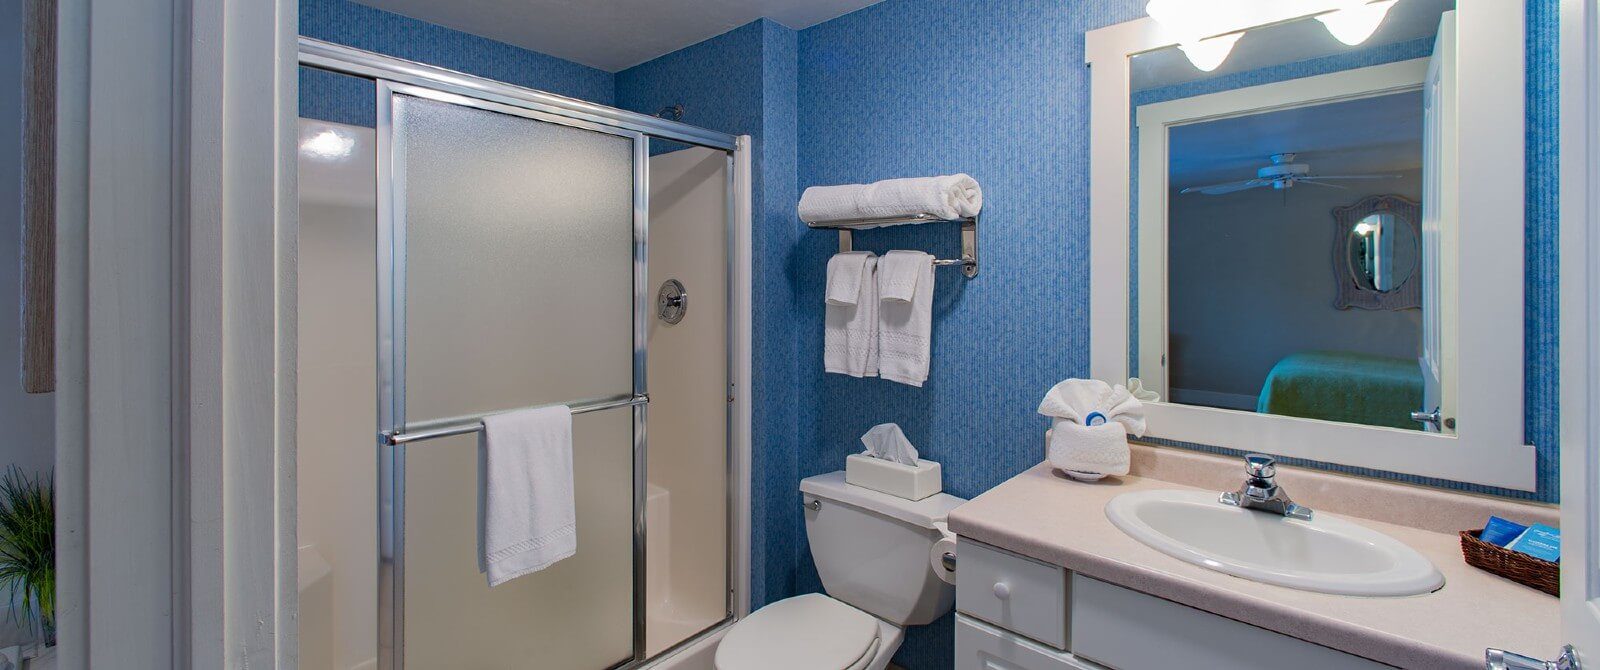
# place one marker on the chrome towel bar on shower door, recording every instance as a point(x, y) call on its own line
point(466, 426)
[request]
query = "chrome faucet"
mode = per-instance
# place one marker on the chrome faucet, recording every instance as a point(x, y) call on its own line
point(1261, 492)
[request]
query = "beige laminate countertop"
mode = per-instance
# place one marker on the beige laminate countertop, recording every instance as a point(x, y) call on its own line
point(1051, 518)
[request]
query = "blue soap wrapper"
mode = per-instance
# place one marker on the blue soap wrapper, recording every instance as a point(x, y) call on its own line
point(1539, 541)
point(1500, 532)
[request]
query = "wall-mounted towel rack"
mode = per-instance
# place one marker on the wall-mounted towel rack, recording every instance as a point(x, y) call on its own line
point(467, 425)
point(969, 237)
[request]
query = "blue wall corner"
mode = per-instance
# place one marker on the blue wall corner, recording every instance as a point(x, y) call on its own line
point(744, 82)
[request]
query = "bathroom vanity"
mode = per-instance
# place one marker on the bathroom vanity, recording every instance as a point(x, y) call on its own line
point(1046, 581)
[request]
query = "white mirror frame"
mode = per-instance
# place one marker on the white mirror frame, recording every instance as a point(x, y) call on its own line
point(1488, 447)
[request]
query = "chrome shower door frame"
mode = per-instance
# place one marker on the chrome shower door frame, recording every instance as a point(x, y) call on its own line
point(392, 353)
point(399, 77)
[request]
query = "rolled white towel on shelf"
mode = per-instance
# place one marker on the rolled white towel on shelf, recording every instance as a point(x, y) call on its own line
point(954, 196)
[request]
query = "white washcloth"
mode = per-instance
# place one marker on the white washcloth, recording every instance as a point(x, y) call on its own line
point(526, 513)
point(898, 272)
point(906, 333)
point(846, 274)
point(1100, 449)
point(888, 442)
point(1077, 399)
point(850, 332)
point(945, 197)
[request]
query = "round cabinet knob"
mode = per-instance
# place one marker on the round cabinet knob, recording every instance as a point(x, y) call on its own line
point(1002, 590)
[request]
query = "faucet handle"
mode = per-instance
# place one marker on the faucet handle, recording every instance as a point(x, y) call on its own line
point(1260, 466)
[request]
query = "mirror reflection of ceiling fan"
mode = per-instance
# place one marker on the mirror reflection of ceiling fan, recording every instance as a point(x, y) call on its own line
point(1282, 174)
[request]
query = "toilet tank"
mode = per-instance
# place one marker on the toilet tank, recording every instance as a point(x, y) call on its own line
point(871, 548)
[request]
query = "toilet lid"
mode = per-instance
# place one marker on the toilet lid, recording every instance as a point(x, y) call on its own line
point(809, 632)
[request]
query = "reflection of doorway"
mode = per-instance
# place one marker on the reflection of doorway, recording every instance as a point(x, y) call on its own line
point(1287, 237)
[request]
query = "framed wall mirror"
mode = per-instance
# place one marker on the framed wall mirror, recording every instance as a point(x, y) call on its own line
point(1283, 238)
point(1377, 254)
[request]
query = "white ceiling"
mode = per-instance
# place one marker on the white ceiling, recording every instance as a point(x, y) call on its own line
point(612, 34)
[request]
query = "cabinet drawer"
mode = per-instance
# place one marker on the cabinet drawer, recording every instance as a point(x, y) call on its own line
point(1012, 592)
point(1126, 629)
point(980, 646)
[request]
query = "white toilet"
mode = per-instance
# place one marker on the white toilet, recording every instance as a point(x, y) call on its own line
point(872, 551)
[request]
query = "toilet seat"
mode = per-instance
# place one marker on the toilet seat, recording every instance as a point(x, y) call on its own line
point(807, 632)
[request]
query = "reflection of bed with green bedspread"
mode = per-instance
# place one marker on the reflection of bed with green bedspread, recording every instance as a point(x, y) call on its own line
point(1344, 386)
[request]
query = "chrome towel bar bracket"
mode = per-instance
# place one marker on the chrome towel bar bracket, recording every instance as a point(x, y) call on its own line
point(969, 237)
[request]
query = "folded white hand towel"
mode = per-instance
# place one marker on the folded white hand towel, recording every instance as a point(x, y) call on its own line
point(905, 336)
point(845, 276)
point(898, 272)
point(1095, 450)
point(945, 197)
point(527, 517)
point(1078, 399)
point(850, 332)
point(888, 442)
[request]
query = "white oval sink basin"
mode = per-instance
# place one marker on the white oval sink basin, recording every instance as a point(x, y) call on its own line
point(1325, 554)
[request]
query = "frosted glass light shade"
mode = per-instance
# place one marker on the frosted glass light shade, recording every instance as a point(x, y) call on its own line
point(1357, 21)
point(1208, 54)
point(1195, 26)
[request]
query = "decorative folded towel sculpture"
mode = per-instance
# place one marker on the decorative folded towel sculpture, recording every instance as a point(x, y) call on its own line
point(1091, 424)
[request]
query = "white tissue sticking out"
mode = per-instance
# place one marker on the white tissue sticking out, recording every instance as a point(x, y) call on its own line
point(888, 442)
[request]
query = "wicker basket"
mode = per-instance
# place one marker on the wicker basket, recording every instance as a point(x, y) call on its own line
point(1513, 565)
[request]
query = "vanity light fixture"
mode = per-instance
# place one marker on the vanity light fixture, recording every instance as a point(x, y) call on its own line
point(1356, 20)
point(1206, 30)
point(1199, 27)
point(1209, 53)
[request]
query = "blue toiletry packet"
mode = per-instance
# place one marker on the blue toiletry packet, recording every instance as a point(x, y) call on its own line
point(1539, 541)
point(1500, 532)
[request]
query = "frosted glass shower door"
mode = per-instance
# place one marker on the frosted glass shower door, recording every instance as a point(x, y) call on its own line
point(512, 249)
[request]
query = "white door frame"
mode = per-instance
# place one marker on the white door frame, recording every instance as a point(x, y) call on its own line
point(175, 334)
point(1580, 307)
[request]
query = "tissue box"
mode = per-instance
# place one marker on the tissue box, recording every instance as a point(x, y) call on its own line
point(893, 478)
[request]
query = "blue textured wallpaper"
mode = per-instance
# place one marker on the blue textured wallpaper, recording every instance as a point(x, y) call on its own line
point(997, 90)
point(1001, 92)
point(743, 82)
point(332, 97)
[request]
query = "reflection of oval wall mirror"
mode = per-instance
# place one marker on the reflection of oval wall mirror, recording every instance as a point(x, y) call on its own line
point(1377, 254)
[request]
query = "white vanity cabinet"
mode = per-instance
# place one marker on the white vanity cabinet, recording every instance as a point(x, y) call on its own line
point(1015, 613)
